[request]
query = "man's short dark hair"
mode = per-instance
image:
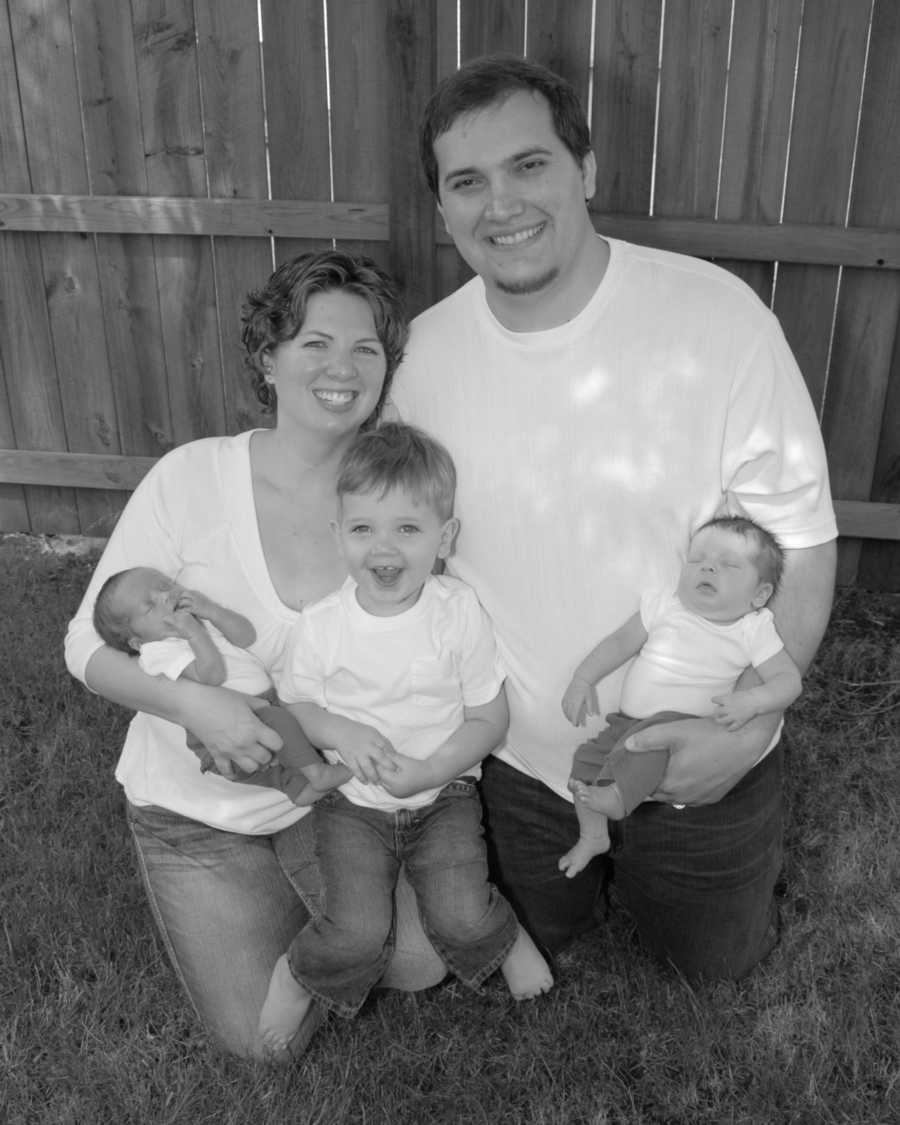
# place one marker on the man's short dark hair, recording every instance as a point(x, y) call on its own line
point(493, 78)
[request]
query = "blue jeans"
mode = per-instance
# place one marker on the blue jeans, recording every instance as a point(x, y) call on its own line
point(227, 907)
point(339, 956)
point(698, 882)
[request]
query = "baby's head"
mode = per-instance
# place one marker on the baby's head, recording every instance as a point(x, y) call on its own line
point(733, 567)
point(134, 606)
point(395, 514)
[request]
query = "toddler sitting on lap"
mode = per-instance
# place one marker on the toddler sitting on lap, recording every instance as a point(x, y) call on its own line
point(396, 675)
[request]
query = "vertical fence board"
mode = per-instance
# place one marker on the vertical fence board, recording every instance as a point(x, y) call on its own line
point(168, 83)
point(488, 28)
point(411, 55)
point(235, 149)
point(626, 63)
point(113, 138)
point(856, 413)
point(829, 77)
point(758, 122)
point(57, 280)
point(450, 270)
point(13, 177)
point(361, 103)
point(691, 107)
point(558, 34)
point(294, 67)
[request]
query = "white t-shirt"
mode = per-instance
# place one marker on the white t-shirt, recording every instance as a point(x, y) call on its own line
point(169, 657)
point(193, 517)
point(410, 676)
point(687, 660)
point(588, 453)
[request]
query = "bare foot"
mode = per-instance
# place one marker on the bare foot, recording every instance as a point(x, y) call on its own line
point(321, 778)
point(284, 1009)
point(526, 972)
point(576, 859)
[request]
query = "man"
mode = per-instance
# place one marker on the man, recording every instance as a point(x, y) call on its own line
point(603, 400)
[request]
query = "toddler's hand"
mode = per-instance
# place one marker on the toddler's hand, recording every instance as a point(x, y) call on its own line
point(409, 776)
point(366, 752)
point(579, 701)
point(734, 710)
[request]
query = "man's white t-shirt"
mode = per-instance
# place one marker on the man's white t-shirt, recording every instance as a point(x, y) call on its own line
point(588, 453)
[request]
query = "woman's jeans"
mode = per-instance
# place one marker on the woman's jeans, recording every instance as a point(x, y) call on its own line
point(699, 881)
point(339, 956)
point(228, 906)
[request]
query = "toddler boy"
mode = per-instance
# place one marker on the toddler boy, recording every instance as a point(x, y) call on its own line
point(396, 675)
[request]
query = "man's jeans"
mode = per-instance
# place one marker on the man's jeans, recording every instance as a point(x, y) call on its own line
point(698, 881)
point(339, 956)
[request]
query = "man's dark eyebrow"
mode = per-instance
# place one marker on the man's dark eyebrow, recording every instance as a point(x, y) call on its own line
point(514, 158)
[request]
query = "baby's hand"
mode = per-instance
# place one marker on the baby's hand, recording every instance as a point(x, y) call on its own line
point(366, 752)
point(196, 603)
point(183, 623)
point(734, 710)
point(579, 701)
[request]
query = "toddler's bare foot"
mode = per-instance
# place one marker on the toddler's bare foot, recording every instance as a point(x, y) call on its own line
point(526, 972)
point(286, 1006)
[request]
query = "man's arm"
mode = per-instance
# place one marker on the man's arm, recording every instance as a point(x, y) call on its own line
point(708, 760)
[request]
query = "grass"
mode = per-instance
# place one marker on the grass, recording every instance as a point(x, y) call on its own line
point(96, 1030)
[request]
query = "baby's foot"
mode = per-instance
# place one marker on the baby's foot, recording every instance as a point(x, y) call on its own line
point(284, 1009)
point(526, 972)
point(320, 778)
point(604, 799)
point(576, 859)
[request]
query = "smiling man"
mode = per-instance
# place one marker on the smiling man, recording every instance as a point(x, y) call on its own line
point(602, 401)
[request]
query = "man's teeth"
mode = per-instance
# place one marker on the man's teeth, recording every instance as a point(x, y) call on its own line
point(514, 239)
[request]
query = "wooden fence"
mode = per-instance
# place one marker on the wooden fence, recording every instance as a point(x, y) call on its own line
point(157, 157)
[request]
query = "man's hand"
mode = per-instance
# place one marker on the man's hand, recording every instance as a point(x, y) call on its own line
point(366, 752)
point(706, 760)
point(580, 701)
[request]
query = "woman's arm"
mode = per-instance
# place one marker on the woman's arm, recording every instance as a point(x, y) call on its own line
point(223, 720)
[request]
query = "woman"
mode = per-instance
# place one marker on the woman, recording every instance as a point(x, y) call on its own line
point(229, 869)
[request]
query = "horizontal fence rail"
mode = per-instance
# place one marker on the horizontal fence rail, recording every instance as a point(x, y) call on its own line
point(810, 243)
point(856, 518)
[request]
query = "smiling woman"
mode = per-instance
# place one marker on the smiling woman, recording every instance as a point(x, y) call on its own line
point(229, 869)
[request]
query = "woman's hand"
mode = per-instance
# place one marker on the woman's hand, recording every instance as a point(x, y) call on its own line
point(706, 760)
point(225, 722)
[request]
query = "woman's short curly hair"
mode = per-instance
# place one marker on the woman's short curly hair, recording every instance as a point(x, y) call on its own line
point(275, 313)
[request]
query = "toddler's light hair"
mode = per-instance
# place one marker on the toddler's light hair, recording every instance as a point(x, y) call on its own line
point(396, 455)
point(769, 552)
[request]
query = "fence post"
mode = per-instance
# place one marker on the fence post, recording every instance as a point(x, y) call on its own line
point(411, 62)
